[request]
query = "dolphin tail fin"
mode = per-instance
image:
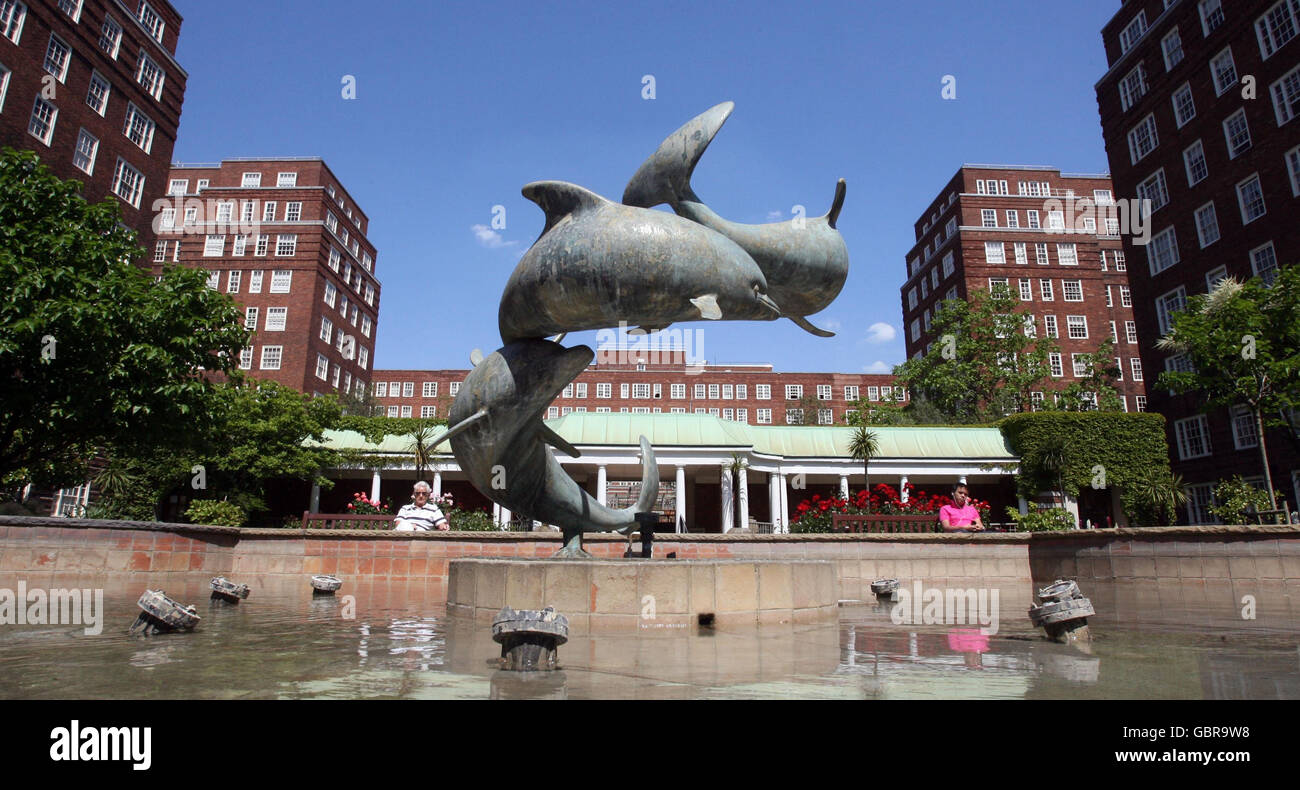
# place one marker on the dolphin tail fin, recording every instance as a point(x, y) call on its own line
point(665, 177)
point(806, 325)
point(645, 503)
point(833, 215)
point(459, 427)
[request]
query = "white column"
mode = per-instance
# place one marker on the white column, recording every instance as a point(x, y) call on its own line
point(681, 499)
point(784, 507)
point(374, 486)
point(496, 513)
point(773, 499)
point(437, 483)
point(314, 505)
point(505, 517)
point(902, 489)
point(844, 486)
point(742, 519)
point(724, 490)
point(602, 495)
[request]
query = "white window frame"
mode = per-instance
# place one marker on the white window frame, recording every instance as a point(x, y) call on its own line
point(1244, 434)
point(1267, 33)
point(286, 245)
point(1222, 87)
point(134, 189)
point(1206, 232)
point(995, 252)
point(1286, 94)
point(48, 125)
point(1076, 322)
point(79, 152)
point(53, 49)
point(1184, 91)
point(1170, 50)
point(250, 181)
point(136, 118)
point(1183, 432)
point(1188, 162)
point(1266, 273)
point(288, 179)
point(272, 357)
point(1234, 152)
point(11, 24)
point(1147, 124)
point(151, 76)
point(1155, 251)
point(1164, 312)
point(281, 281)
point(1065, 290)
point(1241, 198)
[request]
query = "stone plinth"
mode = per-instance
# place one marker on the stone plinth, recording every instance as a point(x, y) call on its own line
point(628, 595)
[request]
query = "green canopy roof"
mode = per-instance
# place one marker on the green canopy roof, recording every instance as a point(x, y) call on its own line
point(704, 430)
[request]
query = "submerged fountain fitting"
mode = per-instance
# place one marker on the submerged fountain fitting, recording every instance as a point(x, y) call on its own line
point(885, 590)
point(161, 615)
point(529, 638)
point(325, 584)
point(225, 590)
point(1063, 612)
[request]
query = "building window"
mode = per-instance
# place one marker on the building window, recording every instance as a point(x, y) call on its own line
point(1172, 48)
point(1167, 305)
point(1277, 26)
point(989, 218)
point(794, 416)
point(948, 263)
point(825, 417)
point(365, 328)
point(97, 97)
point(326, 330)
point(1040, 254)
point(1237, 133)
point(1079, 365)
point(151, 77)
point(1072, 290)
point(1250, 196)
point(286, 180)
point(1162, 252)
point(1125, 296)
point(151, 21)
point(322, 367)
point(1132, 32)
point(1207, 225)
point(12, 15)
point(1056, 365)
point(824, 392)
point(271, 357)
point(1067, 254)
point(763, 391)
point(1184, 106)
point(1031, 219)
point(1263, 262)
point(1135, 367)
point(1154, 190)
point(232, 281)
point(128, 183)
point(995, 252)
point(246, 359)
point(139, 128)
point(84, 155)
point(363, 356)
point(1142, 139)
point(57, 55)
point(1045, 290)
point(263, 242)
point(1224, 71)
point(1286, 95)
point(1213, 277)
point(268, 211)
point(281, 281)
point(1013, 218)
point(793, 391)
point(1049, 326)
point(275, 319)
point(429, 389)
point(43, 118)
point(293, 211)
point(1193, 437)
point(251, 180)
point(999, 286)
point(1031, 328)
point(763, 416)
point(850, 393)
point(214, 246)
point(1199, 499)
point(1194, 161)
point(370, 294)
point(428, 411)
point(110, 37)
point(1244, 433)
point(677, 391)
point(286, 244)
point(1076, 327)
point(1132, 87)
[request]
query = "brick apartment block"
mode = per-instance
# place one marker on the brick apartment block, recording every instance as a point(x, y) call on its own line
point(93, 87)
point(620, 381)
point(285, 239)
point(1221, 165)
point(1028, 229)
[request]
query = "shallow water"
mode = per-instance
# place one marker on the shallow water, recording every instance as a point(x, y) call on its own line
point(284, 643)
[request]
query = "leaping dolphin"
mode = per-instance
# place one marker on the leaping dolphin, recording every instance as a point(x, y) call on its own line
point(805, 260)
point(599, 264)
point(499, 440)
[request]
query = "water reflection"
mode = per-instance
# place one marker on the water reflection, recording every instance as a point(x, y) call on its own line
point(388, 642)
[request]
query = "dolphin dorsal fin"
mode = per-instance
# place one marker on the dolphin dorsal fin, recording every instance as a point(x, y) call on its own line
point(558, 199)
point(665, 177)
point(460, 426)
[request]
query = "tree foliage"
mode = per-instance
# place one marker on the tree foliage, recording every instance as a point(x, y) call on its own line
point(984, 365)
point(95, 352)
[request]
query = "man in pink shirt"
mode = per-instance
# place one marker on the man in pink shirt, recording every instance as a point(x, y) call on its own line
point(961, 515)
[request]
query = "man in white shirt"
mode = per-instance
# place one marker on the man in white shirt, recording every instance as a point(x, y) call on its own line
point(421, 515)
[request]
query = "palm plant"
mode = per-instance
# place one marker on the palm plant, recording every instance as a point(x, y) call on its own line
point(865, 445)
point(422, 447)
point(1162, 493)
point(1053, 460)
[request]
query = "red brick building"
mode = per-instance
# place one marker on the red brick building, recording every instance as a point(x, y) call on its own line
point(663, 382)
point(1198, 109)
point(93, 87)
point(1051, 239)
point(285, 239)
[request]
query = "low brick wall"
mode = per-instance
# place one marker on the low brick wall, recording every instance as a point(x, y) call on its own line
point(1219, 557)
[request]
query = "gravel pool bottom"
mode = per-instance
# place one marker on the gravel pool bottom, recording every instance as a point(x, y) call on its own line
point(382, 640)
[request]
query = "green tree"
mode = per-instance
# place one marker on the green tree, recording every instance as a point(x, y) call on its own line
point(1095, 390)
point(982, 364)
point(95, 352)
point(865, 445)
point(1242, 344)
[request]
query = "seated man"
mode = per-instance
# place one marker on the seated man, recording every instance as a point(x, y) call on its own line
point(961, 515)
point(421, 515)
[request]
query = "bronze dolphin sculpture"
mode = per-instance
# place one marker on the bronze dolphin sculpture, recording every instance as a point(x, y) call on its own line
point(499, 440)
point(805, 260)
point(599, 264)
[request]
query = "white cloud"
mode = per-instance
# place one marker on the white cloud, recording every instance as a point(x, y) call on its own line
point(490, 238)
point(880, 332)
point(775, 216)
point(831, 324)
point(878, 367)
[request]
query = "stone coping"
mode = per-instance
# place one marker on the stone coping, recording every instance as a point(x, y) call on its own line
point(1247, 530)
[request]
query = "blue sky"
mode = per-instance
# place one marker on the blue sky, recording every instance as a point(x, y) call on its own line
point(461, 104)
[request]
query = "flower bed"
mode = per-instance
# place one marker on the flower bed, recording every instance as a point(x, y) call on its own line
point(816, 514)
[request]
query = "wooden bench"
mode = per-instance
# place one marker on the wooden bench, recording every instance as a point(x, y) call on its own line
point(346, 521)
point(885, 523)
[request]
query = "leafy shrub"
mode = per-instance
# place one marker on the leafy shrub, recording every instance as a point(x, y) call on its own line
point(215, 512)
point(1236, 500)
point(1054, 519)
point(362, 505)
point(470, 520)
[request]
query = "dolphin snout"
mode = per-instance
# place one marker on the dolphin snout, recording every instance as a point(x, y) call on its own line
point(767, 301)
